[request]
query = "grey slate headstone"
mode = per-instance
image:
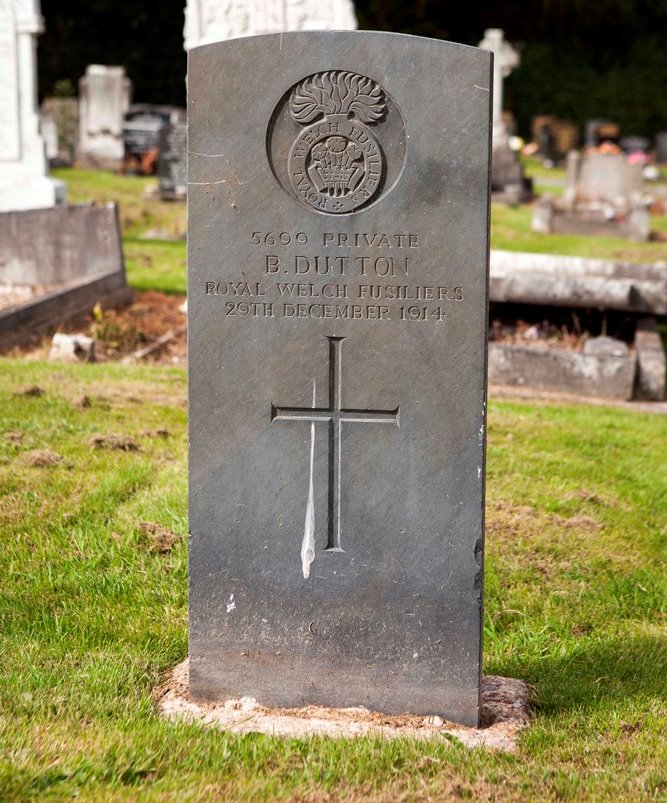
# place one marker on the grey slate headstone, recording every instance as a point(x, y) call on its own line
point(338, 261)
point(172, 163)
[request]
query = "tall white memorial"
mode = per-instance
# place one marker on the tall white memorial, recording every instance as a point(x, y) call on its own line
point(507, 177)
point(24, 181)
point(215, 20)
point(505, 59)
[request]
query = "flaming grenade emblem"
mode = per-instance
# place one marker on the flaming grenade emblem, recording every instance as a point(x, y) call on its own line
point(336, 164)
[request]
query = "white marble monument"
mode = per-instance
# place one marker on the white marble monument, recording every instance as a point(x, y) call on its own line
point(215, 20)
point(505, 59)
point(24, 181)
point(104, 98)
point(507, 179)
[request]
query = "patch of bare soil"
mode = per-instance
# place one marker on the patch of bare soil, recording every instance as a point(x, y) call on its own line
point(29, 390)
point(123, 443)
point(506, 707)
point(151, 329)
point(42, 458)
point(157, 538)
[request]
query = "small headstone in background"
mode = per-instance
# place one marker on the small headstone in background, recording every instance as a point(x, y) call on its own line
point(661, 147)
point(555, 138)
point(142, 132)
point(173, 162)
point(104, 98)
point(64, 111)
point(603, 197)
point(24, 181)
point(338, 251)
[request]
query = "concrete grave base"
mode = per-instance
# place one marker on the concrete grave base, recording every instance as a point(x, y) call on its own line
point(505, 712)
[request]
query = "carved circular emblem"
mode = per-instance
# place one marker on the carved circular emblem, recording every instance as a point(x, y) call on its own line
point(331, 126)
point(336, 164)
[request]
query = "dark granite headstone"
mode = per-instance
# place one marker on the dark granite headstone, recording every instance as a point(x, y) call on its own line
point(661, 147)
point(338, 247)
point(172, 163)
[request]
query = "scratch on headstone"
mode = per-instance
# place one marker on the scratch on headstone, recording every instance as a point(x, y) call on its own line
point(308, 545)
point(231, 605)
point(483, 88)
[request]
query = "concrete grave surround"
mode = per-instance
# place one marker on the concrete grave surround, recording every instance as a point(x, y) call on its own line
point(104, 98)
point(209, 21)
point(338, 268)
point(24, 183)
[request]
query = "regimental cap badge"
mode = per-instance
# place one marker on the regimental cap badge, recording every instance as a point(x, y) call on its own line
point(336, 164)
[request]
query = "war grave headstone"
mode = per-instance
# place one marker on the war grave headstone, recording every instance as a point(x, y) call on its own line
point(24, 181)
point(338, 203)
point(104, 98)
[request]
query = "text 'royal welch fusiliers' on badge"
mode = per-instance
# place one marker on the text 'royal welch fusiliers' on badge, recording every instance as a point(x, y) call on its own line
point(336, 141)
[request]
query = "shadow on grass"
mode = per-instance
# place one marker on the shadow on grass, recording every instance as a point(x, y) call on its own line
point(594, 673)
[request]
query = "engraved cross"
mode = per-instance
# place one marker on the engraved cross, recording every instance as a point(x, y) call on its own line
point(335, 415)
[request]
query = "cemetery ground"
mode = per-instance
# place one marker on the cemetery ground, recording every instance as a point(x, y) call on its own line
point(94, 600)
point(93, 607)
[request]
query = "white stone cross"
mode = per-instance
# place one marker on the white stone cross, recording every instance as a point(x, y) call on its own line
point(505, 59)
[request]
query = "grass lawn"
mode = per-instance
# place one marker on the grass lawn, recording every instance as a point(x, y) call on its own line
point(92, 612)
point(156, 264)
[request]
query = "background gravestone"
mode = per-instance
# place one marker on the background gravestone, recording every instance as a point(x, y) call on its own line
point(172, 162)
point(507, 179)
point(64, 111)
point(338, 250)
point(207, 22)
point(104, 98)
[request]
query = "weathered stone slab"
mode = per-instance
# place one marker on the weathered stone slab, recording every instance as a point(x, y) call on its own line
point(556, 280)
point(338, 247)
point(606, 376)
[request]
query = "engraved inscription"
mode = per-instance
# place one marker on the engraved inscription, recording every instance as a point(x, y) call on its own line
point(335, 415)
point(336, 164)
point(378, 285)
